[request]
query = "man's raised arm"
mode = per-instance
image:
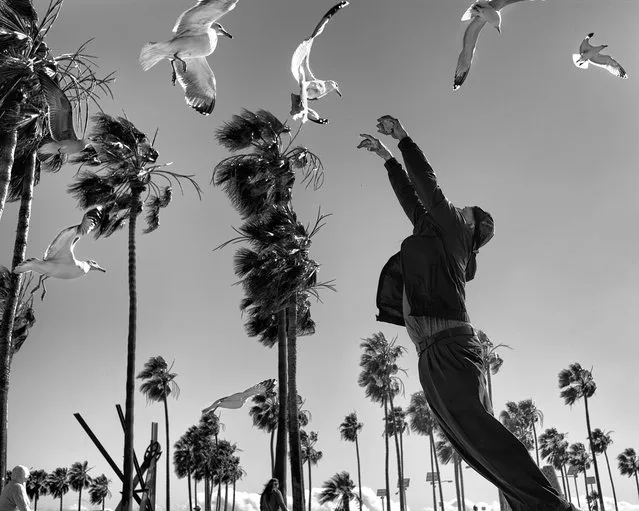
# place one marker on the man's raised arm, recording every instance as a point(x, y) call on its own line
point(399, 180)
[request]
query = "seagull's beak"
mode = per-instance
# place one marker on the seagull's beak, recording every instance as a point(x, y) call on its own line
point(225, 33)
point(498, 29)
point(338, 92)
point(99, 268)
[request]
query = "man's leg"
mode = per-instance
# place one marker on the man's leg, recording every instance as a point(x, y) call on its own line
point(452, 377)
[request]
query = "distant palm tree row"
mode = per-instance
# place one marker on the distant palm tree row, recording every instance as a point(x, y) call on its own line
point(58, 483)
point(200, 456)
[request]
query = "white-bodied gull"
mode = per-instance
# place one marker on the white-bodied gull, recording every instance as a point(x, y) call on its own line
point(589, 54)
point(59, 260)
point(311, 88)
point(480, 13)
point(196, 34)
point(238, 399)
point(60, 116)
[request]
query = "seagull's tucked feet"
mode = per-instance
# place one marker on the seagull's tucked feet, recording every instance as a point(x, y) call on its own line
point(181, 60)
point(173, 73)
point(40, 283)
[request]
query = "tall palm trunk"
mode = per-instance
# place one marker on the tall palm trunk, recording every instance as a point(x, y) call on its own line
point(359, 472)
point(218, 498)
point(188, 480)
point(103, 503)
point(310, 486)
point(293, 415)
point(432, 483)
point(400, 476)
point(536, 446)
point(461, 484)
point(9, 315)
point(439, 479)
point(226, 496)
point(195, 492)
point(574, 479)
point(637, 482)
point(35, 503)
point(80, 500)
point(586, 486)
point(612, 483)
point(563, 482)
point(281, 448)
point(207, 495)
point(60, 502)
point(233, 506)
point(594, 456)
point(8, 142)
point(386, 459)
point(457, 489)
point(168, 458)
point(401, 451)
point(127, 486)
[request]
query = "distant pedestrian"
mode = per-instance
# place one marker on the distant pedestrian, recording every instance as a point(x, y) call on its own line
point(14, 494)
point(271, 499)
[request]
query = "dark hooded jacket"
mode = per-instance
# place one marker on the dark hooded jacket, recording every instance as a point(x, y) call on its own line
point(432, 262)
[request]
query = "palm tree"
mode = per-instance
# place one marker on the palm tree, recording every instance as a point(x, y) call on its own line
point(26, 62)
point(447, 453)
point(277, 274)
point(520, 419)
point(158, 384)
point(184, 457)
point(79, 479)
point(628, 464)
point(99, 490)
point(423, 422)
point(381, 383)
point(396, 426)
point(349, 431)
point(236, 473)
point(576, 383)
point(264, 413)
point(117, 172)
point(311, 456)
point(601, 440)
point(554, 449)
point(339, 489)
point(58, 483)
point(37, 486)
point(579, 459)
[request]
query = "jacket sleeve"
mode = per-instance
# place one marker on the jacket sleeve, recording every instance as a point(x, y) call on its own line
point(424, 180)
point(20, 498)
point(404, 190)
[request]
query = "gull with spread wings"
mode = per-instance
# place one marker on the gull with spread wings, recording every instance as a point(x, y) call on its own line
point(480, 13)
point(589, 54)
point(64, 140)
point(238, 399)
point(196, 34)
point(311, 88)
point(59, 260)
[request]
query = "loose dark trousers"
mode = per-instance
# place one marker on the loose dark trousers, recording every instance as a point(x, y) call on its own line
point(451, 374)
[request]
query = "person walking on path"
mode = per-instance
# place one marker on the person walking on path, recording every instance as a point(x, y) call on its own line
point(422, 287)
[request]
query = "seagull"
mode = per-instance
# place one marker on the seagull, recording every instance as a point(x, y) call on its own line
point(480, 12)
point(59, 260)
point(60, 114)
point(238, 399)
point(196, 34)
point(589, 54)
point(310, 87)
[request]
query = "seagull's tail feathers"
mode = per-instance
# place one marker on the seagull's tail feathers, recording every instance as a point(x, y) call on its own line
point(152, 53)
point(581, 64)
point(25, 266)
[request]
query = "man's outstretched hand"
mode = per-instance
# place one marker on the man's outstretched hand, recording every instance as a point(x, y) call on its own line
point(373, 145)
point(389, 125)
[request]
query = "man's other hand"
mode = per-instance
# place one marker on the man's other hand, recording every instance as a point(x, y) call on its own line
point(373, 145)
point(389, 125)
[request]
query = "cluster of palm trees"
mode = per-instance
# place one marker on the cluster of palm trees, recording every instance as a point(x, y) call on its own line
point(62, 479)
point(199, 455)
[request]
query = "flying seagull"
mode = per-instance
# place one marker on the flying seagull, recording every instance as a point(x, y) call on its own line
point(59, 260)
point(60, 114)
point(196, 34)
point(311, 88)
point(238, 399)
point(589, 54)
point(480, 13)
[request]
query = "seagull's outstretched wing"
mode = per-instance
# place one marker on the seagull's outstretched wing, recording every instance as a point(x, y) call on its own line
point(238, 399)
point(468, 50)
point(198, 18)
point(198, 82)
point(610, 64)
point(60, 112)
point(302, 52)
point(63, 244)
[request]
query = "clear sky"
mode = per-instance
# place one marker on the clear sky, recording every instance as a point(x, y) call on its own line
point(548, 149)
